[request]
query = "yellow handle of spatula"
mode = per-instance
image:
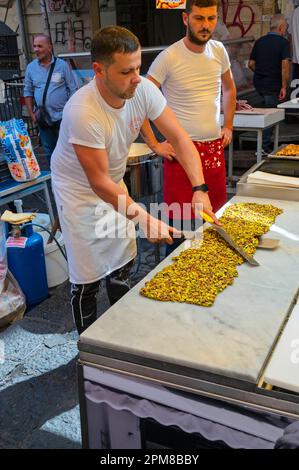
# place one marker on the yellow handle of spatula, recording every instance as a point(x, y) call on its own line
point(206, 217)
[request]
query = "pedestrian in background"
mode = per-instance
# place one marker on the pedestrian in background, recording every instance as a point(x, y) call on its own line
point(269, 60)
point(61, 86)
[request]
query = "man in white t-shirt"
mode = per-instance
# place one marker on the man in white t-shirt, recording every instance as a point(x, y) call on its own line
point(191, 73)
point(99, 124)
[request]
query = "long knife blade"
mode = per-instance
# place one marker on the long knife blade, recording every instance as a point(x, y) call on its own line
point(191, 235)
point(236, 247)
point(223, 233)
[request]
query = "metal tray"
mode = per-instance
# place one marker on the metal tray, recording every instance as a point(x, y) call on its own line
point(283, 157)
point(245, 188)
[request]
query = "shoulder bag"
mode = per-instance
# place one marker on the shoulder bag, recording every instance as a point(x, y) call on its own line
point(43, 118)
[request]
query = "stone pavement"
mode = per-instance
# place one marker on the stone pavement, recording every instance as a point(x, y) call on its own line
point(38, 381)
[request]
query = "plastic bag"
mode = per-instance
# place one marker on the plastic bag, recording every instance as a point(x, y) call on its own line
point(12, 299)
point(18, 151)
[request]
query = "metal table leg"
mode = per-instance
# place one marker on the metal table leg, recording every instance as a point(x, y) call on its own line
point(48, 202)
point(276, 137)
point(230, 160)
point(259, 146)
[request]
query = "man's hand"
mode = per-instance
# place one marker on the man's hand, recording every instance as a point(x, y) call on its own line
point(164, 150)
point(226, 135)
point(201, 201)
point(33, 118)
point(243, 104)
point(282, 93)
point(157, 231)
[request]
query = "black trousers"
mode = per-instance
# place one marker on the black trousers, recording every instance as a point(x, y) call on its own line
point(295, 71)
point(84, 296)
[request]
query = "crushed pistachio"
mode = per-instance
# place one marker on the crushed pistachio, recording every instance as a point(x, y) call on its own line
point(199, 274)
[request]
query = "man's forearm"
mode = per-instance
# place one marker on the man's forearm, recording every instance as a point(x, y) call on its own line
point(285, 74)
point(184, 149)
point(229, 107)
point(195, 175)
point(148, 135)
point(29, 104)
point(113, 194)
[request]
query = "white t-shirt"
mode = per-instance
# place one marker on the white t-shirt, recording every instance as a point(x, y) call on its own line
point(88, 120)
point(294, 31)
point(85, 218)
point(191, 83)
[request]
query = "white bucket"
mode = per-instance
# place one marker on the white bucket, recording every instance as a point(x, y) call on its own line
point(41, 219)
point(56, 265)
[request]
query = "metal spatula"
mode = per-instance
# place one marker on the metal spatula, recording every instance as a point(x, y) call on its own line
point(228, 239)
point(268, 243)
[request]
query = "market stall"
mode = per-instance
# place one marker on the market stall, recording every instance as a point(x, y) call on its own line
point(217, 356)
point(256, 120)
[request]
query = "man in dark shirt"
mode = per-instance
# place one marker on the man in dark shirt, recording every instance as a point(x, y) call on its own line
point(269, 61)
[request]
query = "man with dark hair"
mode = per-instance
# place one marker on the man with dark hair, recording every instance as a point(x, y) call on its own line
point(200, 3)
point(62, 85)
point(191, 73)
point(100, 122)
point(110, 41)
point(269, 60)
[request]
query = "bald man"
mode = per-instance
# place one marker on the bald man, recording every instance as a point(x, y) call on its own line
point(61, 87)
point(269, 61)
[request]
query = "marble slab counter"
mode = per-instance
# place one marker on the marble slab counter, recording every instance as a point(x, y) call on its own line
point(257, 118)
point(292, 104)
point(232, 338)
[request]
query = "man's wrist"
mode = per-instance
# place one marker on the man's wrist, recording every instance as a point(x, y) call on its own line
point(201, 187)
point(153, 146)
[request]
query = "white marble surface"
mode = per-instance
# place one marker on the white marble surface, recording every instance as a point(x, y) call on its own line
point(283, 368)
point(292, 104)
point(235, 335)
point(259, 120)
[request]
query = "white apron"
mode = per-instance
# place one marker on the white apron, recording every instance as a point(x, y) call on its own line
point(98, 239)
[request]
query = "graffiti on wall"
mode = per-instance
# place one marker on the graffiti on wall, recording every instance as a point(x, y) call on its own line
point(66, 6)
point(240, 12)
point(72, 32)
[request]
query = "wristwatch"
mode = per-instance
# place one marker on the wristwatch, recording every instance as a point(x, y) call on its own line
point(201, 187)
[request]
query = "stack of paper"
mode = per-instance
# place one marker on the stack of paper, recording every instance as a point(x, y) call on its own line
point(20, 218)
point(260, 177)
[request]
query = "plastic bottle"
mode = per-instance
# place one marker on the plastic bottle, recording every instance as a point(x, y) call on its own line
point(18, 205)
point(26, 261)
